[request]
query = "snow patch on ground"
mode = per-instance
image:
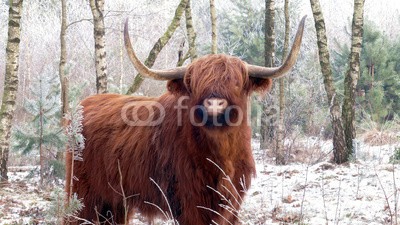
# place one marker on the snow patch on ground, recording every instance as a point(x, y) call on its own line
point(322, 194)
point(21, 200)
point(360, 192)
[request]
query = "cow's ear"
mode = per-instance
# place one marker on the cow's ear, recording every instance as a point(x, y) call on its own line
point(176, 86)
point(260, 85)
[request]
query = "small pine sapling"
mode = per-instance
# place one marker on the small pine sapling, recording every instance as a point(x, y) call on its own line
point(42, 134)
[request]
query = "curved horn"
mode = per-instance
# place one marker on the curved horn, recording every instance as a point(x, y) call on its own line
point(170, 74)
point(276, 72)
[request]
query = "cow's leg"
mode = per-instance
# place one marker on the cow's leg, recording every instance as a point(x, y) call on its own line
point(89, 199)
point(120, 214)
point(232, 190)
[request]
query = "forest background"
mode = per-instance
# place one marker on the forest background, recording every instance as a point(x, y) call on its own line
point(240, 26)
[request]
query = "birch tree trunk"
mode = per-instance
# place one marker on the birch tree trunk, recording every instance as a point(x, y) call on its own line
point(41, 150)
point(159, 45)
point(191, 36)
point(10, 83)
point(213, 12)
point(269, 112)
point(61, 69)
point(121, 58)
point(191, 33)
point(280, 134)
point(339, 145)
point(63, 59)
point(97, 8)
point(353, 73)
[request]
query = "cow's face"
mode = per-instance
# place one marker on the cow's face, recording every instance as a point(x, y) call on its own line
point(218, 87)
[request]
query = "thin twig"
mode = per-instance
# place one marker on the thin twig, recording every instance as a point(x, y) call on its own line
point(103, 217)
point(236, 196)
point(159, 208)
point(222, 196)
point(337, 212)
point(232, 211)
point(396, 200)
point(217, 213)
point(358, 181)
point(386, 196)
point(243, 184)
point(226, 177)
point(122, 194)
point(323, 198)
point(78, 21)
point(304, 194)
point(124, 199)
point(165, 197)
point(85, 222)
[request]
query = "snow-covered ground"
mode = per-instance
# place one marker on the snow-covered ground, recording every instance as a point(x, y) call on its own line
point(363, 191)
point(21, 200)
point(313, 192)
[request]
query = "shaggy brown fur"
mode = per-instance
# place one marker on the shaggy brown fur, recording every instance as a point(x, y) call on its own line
point(180, 158)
